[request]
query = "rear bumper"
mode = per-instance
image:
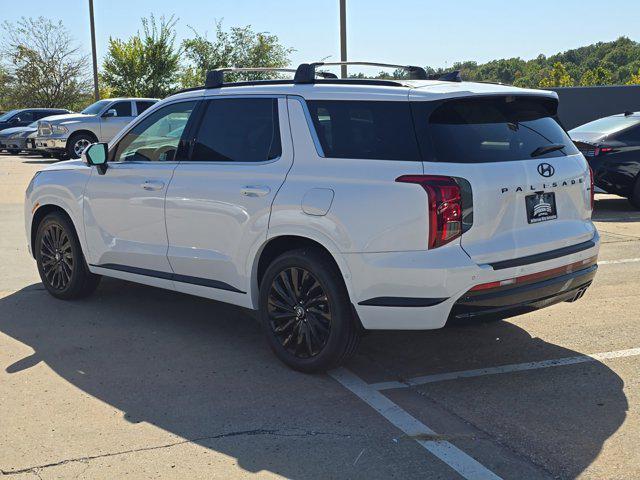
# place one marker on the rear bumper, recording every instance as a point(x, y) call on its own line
point(511, 301)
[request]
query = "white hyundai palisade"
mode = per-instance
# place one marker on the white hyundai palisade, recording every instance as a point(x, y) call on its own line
point(331, 206)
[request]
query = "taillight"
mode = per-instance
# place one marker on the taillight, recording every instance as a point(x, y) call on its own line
point(591, 187)
point(444, 199)
point(602, 151)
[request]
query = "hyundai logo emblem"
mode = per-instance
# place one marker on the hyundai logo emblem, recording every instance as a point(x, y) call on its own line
point(546, 170)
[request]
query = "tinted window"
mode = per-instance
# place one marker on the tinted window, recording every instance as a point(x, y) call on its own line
point(631, 135)
point(368, 130)
point(497, 129)
point(7, 115)
point(238, 130)
point(607, 125)
point(157, 137)
point(123, 109)
point(26, 116)
point(142, 106)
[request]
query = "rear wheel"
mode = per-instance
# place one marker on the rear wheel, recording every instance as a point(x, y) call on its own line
point(634, 198)
point(61, 264)
point(13, 152)
point(78, 143)
point(306, 313)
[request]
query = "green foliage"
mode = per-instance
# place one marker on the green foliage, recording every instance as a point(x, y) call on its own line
point(145, 65)
point(45, 68)
point(237, 47)
point(603, 63)
point(557, 77)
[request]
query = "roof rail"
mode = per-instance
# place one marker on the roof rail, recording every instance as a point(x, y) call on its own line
point(215, 78)
point(453, 76)
point(306, 72)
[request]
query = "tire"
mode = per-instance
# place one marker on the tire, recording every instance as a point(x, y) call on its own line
point(634, 198)
point(78, 142)
point(56, 242)
point(13, 152)
point(311, 328)
point(45, 155)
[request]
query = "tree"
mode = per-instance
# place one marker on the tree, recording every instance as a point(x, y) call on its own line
point(557, 77)
point(634, 79)
point(145, 65)
point(597, 76)
point(238, 47)
point(45, 67)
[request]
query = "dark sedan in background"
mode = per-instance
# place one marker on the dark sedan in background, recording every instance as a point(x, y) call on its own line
point(611, 145)
point(24, 116)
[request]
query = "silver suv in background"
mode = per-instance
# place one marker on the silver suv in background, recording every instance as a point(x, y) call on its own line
point(68, 135)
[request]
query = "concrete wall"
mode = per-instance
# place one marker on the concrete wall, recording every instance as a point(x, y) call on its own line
point(579, 105)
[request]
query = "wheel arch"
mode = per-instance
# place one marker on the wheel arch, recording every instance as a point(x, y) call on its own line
point(41, 212)
point(275, 246)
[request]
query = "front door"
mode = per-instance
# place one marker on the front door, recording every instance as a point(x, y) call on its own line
point(124, 207)
point(219, 201)
point(110, 124)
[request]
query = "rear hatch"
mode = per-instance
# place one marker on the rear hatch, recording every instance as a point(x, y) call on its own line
point(530, 185)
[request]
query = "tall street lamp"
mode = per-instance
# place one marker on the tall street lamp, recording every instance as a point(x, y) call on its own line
point(343, 37)
point(96, 91)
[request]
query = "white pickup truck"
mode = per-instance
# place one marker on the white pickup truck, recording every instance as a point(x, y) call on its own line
point(67, 136)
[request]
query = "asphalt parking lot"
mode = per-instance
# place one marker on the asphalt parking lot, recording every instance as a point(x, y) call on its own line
point(138, 382)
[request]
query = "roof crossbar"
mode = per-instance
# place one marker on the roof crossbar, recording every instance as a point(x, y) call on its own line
point(215, 78)
point(306, 72)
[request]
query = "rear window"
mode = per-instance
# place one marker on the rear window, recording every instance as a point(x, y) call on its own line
point(607, 125)
point(364, 130)
point(495, 129)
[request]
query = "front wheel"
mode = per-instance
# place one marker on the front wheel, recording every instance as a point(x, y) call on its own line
point(634, 198)
point(306, 313)
point(61, 264)
point(78, 143)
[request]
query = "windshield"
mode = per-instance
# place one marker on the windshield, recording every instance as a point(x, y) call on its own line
point(33, 125)
point(8, 115)
point(607, 125)
point(496, 129)
point(96, 108)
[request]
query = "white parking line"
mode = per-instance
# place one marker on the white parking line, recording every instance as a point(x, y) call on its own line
point(517, 367)
point(613, 262)
point(462, 463)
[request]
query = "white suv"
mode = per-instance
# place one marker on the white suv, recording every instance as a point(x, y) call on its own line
point(329, 206)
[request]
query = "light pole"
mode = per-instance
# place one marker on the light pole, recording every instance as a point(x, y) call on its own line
point(96, 91)
point(343, 37)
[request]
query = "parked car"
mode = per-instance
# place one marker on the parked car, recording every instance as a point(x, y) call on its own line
point(329, 206)
point(25, 116)
point(14, 139)
point(68, 135)
point(611, 145)
point(30, 146)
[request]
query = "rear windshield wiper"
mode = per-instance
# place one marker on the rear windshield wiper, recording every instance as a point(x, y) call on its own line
point(547, 149)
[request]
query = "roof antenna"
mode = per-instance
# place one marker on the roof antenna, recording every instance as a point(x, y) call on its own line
point(628, 113)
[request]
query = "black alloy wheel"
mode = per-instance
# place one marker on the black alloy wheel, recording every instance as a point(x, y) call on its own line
point(305, 311)
point(299, 312)
point(57, 256)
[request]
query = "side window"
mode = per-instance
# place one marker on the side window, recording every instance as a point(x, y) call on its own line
point(378, 130)
point(238, 130)
point(26, 116)
point(141, 106)
point(123, 109)
point(157, 137)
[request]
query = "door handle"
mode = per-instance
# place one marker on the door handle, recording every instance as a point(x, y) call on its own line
point(255, 190)
point(152, 185)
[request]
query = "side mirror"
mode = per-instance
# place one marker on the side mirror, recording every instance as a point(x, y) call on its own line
point(96, 154)
point(110, 113)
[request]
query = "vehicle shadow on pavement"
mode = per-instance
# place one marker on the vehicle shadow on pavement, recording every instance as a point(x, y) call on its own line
point(201, 370)
point(614, 209)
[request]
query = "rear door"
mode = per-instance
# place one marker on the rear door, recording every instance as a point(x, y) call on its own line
point(219, 200)
point(530, 185)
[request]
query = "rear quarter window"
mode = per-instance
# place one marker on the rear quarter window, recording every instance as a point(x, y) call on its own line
point(376, 130)
point(489, 129)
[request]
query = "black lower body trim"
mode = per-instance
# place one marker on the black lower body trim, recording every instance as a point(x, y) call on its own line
point(205, 282)
point(505, 302)
point(401, 302)
point(541, 257)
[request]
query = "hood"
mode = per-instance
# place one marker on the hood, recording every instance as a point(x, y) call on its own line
point(77, 164)
point(10, 131)
point(67, 118)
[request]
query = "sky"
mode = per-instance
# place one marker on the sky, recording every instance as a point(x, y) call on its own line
point(430, 32)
